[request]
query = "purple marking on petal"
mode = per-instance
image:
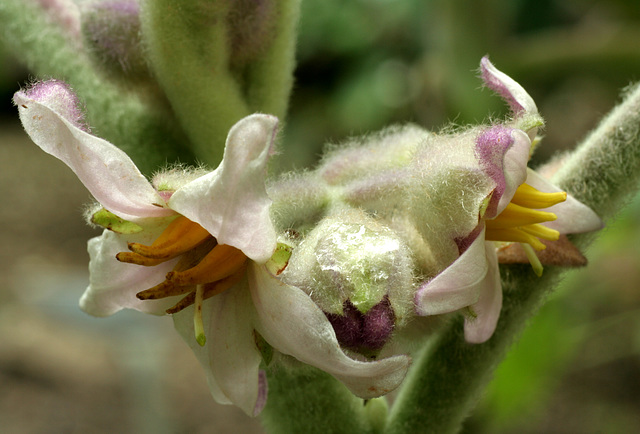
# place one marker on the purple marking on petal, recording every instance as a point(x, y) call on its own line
point(491, 146)
point(494, 83)
point(463, 243)
point(263, 391)
point(58, 96)
point(364, 332)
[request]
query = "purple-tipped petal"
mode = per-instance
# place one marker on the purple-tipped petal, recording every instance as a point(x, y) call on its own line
point(574, 217)
point(514, 95)
point(232, 202)
point(51, 116)
point(458, 285)
point(503, 153)
point(487, 310)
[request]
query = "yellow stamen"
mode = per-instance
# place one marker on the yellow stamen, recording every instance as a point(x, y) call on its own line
point(514, 235)
point(543, 232)
point(219, 263)
point(530, 197)
point(180, 236)
point(198, 326)
point(515, 216)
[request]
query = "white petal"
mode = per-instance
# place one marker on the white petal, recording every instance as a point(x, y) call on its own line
point(230, 356)
point(479, 329)
point(106, 171)
point(231, 202)
point(113, 285)
point(574, 217)
point(294, 325)
point(458, 285)
point(515, 166)
point(514, 94)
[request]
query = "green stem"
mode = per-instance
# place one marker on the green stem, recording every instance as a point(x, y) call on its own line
point(188, 49)
point(448, 378)
point(307, 400)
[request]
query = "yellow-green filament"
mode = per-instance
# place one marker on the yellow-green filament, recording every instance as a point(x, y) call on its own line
point(198, 326)
point(533, 259)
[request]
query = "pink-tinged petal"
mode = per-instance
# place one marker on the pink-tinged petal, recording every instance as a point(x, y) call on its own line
point(232, 202)
point(295, 325)
point(487, 310)
point(458, 285)
point(50, 115)
point(113, 285)
point(230, 356)
point(574, 217)
point(503, 154)
point(514, 95)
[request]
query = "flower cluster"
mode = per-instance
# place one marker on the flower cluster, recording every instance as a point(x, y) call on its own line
point(328, 266)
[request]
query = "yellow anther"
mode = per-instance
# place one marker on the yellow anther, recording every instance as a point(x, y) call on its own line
point(514, 235)
point(530, 197)
point(219, 263)
point(541, 231)
point(515, 216)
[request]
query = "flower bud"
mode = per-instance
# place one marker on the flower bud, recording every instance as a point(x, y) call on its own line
point(111, 29)
point(359, 272)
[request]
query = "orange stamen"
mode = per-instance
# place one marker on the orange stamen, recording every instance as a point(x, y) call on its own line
point(179, 237)
point(222, 261)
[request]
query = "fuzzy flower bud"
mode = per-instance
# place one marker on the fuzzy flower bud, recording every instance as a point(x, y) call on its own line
point(359, 272)
point(112, 31)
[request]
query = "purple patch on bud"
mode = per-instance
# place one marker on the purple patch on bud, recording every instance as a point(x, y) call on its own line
point(58, 96)
point(363, 332)
point(112, 30)
point(494, 82)
point(491, 146)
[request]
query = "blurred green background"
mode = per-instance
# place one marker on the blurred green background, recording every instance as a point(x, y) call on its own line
point(363, 64)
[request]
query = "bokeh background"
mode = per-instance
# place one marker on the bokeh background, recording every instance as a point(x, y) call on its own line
point(363, 64)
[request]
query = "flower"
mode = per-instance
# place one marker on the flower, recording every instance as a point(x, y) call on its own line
point(511, 213)
point(188, 236)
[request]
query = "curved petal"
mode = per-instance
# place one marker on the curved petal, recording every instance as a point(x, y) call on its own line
point(458, 285)
point(113, 285)
point(574, 217)
point(515, 166)
point(294, 325)
point(230, 356)
point(503, 154)
point(231, 202)
point(518, 99)
point(106, 171)
point(479, 329)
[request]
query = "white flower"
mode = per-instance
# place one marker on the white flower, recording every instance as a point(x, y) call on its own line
point(207, 236)
point(512, 213)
